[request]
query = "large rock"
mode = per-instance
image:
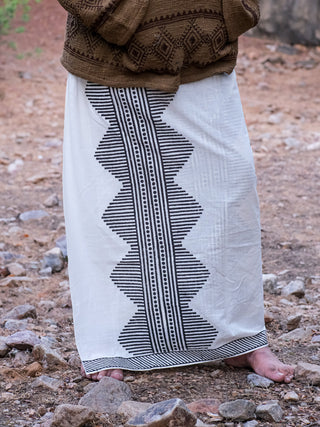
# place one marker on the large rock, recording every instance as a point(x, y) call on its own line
point(173, 412)
point(238, 410)
point(16, 325)
point(299, 334)
point(22, 312)
point(23, 340)
point(292, 21)
point(48, 382)
point(308, 373)
point(270, 411)
point(131, 408)
point(295, 288)
point(106, 396)
point(49, 357)
point(72, 416)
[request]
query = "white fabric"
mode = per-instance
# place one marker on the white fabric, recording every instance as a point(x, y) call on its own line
point(218, 174)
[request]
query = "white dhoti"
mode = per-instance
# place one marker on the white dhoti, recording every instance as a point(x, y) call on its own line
point(162, 223)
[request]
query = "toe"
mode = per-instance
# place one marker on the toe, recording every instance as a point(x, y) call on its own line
point(117, 374)
point(102, 374)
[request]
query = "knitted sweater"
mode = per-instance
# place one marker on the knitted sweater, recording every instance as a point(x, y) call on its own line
point(157, 44)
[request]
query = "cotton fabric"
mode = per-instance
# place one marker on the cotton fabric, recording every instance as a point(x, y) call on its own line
point(162, 222)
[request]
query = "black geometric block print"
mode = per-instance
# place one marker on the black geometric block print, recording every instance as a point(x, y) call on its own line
point(152, 214)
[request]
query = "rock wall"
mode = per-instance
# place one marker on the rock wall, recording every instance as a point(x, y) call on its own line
point(292, 21)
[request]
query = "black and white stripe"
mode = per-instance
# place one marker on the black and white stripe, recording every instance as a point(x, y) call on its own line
point(181, 358)
point(152, 214)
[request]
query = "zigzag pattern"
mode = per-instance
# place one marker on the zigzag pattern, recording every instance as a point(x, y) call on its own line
point(153, 214)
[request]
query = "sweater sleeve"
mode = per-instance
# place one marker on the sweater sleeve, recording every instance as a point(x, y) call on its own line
point(240, 16)
point(114, 20)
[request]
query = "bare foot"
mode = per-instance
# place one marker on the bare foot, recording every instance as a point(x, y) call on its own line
point(117, 374)
point(264, 363)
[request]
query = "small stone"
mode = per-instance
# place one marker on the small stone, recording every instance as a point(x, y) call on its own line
point(15, 165)
point(8, 256)
point(202, 424)
point(47, 305)
point(270, 283)
point(291, 142)
point(64, 300)
point(268, 316)
point(45, 271)
point(35, 214)
point(238, 410)
point(53, 258)
point(316, 339)
point(16, 325)
point(298, 334)
point(295, 287)
point(214, 417)
point(22, 312)
point(74, 361)
point(23, 340)
point(4, 272)
point(35, 179)
point(314, 146)
point(72, 416)
point(275, 119)
point(42, 240)
point(259, 381)
point(21, 358)
point(204, 405)
point(270, 411)
point(45, 420)
point(106, 396)
point(252, 423)
point(51, 201)
point(291, 396)
point(16, 269)
point(4, 349)
point(53, 143)
point(47, 356)
point(6, 396)
point(171, 412)
point(34, 369)
point(293, 322)
point(308, 373)
point(131, 409)
point(11, 282)
point(61, 243)
point(47, 382)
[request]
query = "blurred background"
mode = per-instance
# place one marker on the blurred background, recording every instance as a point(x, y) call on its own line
point(278, 73)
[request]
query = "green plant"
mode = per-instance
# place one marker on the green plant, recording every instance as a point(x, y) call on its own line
point(8, 9)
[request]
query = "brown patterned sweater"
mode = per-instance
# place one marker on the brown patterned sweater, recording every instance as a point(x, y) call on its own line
point(157, 44)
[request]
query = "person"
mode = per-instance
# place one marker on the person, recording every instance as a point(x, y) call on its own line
point(160, 200)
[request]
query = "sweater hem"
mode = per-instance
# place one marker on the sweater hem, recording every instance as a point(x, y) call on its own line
point(115, 77)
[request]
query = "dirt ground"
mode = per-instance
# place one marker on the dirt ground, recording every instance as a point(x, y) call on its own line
point(280, 90)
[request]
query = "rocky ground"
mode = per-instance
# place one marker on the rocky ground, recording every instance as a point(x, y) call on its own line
point(39, 366)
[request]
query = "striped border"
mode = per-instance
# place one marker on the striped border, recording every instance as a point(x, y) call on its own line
point(180, 358)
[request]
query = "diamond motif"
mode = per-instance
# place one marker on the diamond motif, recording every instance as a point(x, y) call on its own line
point(165, 47)
point(218, 40)
point(193, 39)
point(136, 52)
